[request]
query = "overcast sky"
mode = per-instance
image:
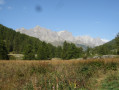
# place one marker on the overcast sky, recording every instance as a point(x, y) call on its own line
point(96, 18)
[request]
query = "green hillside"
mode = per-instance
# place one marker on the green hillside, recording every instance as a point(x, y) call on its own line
point(33, 48)
point(16, 42)
point(107, 48)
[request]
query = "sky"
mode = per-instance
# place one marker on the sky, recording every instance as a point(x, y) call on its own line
point(95, 18)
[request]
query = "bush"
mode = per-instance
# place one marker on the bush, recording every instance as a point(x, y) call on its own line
point(111, 66)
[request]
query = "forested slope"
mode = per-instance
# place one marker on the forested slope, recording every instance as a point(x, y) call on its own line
point(31, 47)
point(107, 48)
point(17, 42)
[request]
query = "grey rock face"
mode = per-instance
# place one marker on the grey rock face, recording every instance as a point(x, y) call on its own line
point(52, 36)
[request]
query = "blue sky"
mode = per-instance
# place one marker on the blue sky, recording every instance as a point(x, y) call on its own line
point(96, 18)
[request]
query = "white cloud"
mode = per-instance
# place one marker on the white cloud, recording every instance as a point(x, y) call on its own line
point(2, 1)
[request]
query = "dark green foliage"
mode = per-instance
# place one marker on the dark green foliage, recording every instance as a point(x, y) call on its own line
point(106, 49)
point(18, 43)
point(43, 52)
point(65, 50)
point(111, 47)
point(103, 50)
point(29, 53)
point(3, 51)
point(111, 66)
point(22, 44)
point(51, 50)
point(117, 43)
point(88, 70)
point(70, 51)
point(58, 52)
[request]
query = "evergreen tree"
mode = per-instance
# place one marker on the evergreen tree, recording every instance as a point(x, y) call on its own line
point(80, 52)
point(117, 43)
point(43, 52)
point(51, 50)
point(58, 52)
point(40, 53)
point(23, 44)
point(65, 50)
point(3, 51)
point(70, 51)
point(29, 53)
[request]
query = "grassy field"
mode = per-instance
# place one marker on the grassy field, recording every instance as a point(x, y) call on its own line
point(60, 75)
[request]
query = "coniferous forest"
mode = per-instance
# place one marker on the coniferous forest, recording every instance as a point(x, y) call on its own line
point(34, 49)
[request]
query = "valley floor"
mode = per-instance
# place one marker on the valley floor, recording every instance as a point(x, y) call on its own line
point(101, 74)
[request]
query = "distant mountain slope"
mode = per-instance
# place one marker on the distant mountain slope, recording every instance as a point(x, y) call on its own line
point(107, 48)
point(17, 42)
point(111, 44)
point(56, 38)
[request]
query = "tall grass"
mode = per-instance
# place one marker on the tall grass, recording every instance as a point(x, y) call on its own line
point(60, 75)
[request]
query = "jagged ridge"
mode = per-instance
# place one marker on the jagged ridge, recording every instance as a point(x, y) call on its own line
point(61, 36)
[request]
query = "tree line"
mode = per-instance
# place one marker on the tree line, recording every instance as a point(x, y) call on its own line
point(109, 48)
point(32, 48)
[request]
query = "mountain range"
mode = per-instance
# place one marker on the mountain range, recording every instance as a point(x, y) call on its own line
point(57, 38)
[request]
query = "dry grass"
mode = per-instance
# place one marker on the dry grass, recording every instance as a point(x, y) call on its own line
point(55, 74)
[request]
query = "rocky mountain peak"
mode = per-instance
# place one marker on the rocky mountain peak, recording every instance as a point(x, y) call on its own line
point(61, 36)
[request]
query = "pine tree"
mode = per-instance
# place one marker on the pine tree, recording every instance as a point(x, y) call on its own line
point(80, 52)
point(117, 43)
point(40, 53)
point(3, 51)
point(70, 51)
point(58, 52)
point(51, 50)
point(65, 50)
point(29, 53)
point(43, 52)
